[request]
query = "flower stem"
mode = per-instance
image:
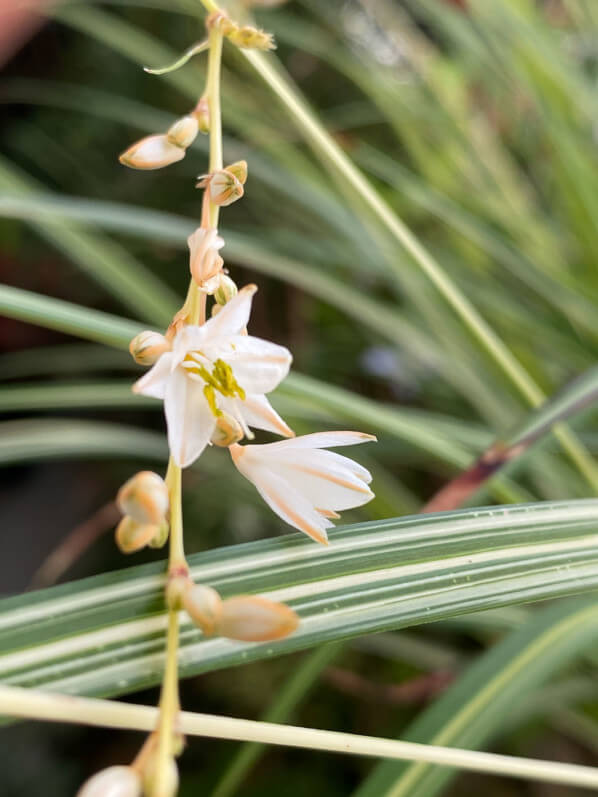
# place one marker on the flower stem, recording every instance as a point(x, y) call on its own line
point(169, 698)
point(213, 97)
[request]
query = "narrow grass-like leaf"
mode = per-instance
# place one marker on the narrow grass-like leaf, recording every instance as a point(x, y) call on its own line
point(473, 710)
point(105, 635)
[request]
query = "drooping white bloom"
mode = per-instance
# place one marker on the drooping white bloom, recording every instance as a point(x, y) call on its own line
point(213, 369)
point(303, 484)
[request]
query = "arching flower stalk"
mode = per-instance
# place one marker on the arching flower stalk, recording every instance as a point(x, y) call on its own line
point(214, 377)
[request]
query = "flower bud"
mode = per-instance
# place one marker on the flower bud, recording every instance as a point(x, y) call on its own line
point(132, 536)
point(161, 536)
point(226, 290)
point(147, 346)
point(251, 618)
point(144, 497)
point(227, 431)
point(203, 605)
point(113, 782)
point(204, 260)
point(202, 113)
point(152, 152)
point(161, 784)
point(183, 132)
point(225, 188)
point(239, 169)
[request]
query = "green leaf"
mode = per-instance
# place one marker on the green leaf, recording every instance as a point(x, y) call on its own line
point(104, 260)
point(475, 708)
point(104, 635)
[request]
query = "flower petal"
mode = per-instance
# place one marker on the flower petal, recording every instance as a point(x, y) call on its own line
point(281, 496)
point(324, 480)
point(328, 440)
point(258, 365)
point(323, 460)
point(153, 383)
point(234, 316)
point(258, 413)
point(188, 417)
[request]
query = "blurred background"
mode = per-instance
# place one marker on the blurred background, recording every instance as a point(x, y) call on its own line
point(476, 121)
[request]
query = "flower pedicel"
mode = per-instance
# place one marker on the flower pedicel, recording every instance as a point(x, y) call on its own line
point(214, 378)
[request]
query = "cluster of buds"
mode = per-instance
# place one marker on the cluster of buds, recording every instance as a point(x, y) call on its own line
point(225, 186)
point(246, 37)
point(157, 151)
point(246, 618)
point(144, 502)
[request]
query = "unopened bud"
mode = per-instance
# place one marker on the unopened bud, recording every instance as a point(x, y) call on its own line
point(161, 783)
point(132, 536)
point(227, 431)
point(184, 131)
point(202, 113)
point(204, 260)
point(223, 186)
point(226, 290)
point(144, 497)
point(203, 605)
point(239, 169)
point(113, 782)
point(251, 618)
point(161, 536)
point(152, 152)
point(148, 346)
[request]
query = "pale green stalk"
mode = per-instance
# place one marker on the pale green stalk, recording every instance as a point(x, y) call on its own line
point(31, 704)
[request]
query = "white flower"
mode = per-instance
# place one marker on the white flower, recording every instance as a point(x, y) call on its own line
point(303, 484)
point(214, 369)
point(152, 152)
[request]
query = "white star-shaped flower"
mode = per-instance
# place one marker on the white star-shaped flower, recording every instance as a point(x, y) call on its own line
point(214, 369)
point(303, 484)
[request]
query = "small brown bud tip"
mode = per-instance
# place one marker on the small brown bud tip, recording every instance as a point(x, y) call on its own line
point(163, 783)
point(225, 188)
point(113, 782)
point(132, 536)
point(202, 113)
point(239, 169)
point(227, 431)
point(144, 497)
point(152, 152)
point(251, 618)
point(203, 605)
point(226, 290)
point(148, 346)
point(184, 131)
point(160, 538)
